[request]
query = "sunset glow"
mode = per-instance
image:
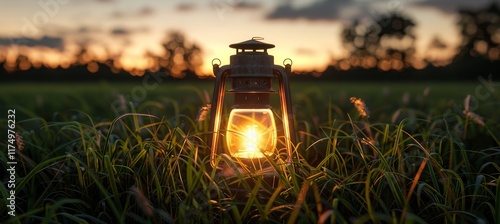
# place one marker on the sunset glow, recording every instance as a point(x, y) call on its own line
point(46, 30)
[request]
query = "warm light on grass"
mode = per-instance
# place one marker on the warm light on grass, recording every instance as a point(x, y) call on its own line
point(150, 163)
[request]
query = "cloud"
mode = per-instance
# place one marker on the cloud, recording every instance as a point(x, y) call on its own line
point(305, 51)
point(118, 15)
point(186, 7)
point(121, 31)
point(46, 41)
point(145, 11)
point(320, 10)
point(246, 6)
point(142, 12)
point(452, 6)
point(87, 30)
point(349, 9)
point(225, 5)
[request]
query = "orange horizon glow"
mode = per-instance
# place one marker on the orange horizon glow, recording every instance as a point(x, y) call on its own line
point(312, 51)
point(135, 60)
point(118, 30)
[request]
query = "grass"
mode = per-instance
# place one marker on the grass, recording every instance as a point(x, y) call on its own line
point(97, 154)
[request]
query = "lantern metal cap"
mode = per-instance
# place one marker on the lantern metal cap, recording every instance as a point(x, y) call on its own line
point(253, 44)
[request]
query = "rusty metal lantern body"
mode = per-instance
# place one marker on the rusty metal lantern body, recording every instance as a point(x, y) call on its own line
point(251, 132)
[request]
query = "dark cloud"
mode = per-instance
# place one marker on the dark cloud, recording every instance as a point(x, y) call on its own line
point(246, 6)
point(453, 5)
point(349, 9)
point(46, 41)
point(120, 31)
point(321, 10)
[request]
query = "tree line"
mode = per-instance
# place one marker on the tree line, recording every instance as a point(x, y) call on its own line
point(381, 49)
point(179, 60)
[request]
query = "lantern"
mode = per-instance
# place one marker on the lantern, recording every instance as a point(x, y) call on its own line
point(259, 127)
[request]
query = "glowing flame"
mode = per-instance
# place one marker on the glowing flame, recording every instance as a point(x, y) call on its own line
point(252, 138)
point(251, 144)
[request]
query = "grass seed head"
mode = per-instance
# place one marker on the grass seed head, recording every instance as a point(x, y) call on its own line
point(471, 115)
point(122, 102)
point(360, 106)
point(19, 142)
point(467, 103)
point(475, 117)
point(395, 116)
point(202, 113)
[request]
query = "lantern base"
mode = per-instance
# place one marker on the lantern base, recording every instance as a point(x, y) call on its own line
point(241, 186)
point(246, 166)
point(248, 171)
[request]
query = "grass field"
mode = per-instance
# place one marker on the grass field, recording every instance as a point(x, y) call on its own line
point(134, 153)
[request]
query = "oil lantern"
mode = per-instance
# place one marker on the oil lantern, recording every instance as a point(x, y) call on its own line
point(256, 125)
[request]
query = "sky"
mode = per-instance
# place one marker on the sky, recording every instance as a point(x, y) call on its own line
point(306, 31)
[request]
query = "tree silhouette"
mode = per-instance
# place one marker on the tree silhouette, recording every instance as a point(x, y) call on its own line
point(396, 39)
point(179, 57)
point(388, 42)
point(361, 41)
point(480, 31)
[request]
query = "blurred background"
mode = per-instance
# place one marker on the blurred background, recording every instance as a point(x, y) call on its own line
point(73, 40)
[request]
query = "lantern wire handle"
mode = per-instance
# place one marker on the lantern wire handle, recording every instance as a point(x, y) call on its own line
point(214, 61)
point(257, 38)
point(287, 59)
